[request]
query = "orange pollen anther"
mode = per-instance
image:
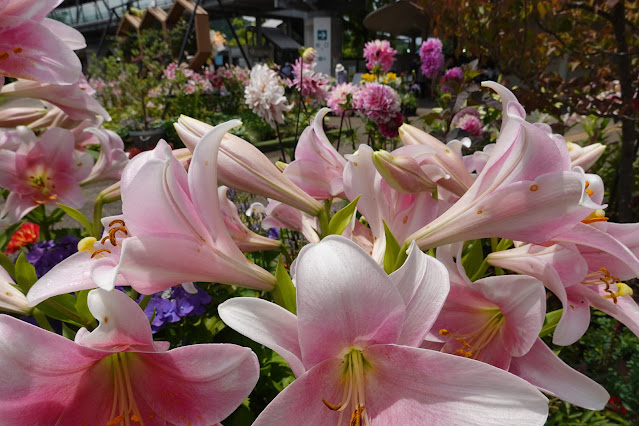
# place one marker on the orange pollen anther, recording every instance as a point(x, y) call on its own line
point(590, 192)
point(116, 420)
point(17, 50)
point(443, 332)
point(99, 251)
point(120, 221)
point(4, 55)
point(356, 417)
point(332, 406)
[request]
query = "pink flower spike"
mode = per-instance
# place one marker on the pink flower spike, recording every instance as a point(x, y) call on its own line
point(178, 230)
point(349, 336)
point(116, 373)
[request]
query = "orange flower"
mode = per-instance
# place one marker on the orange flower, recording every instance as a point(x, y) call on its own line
point(26, 234)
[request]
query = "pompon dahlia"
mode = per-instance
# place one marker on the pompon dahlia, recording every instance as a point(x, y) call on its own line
point(378, 102)
point(468, 119)
point(315, 84)
point(379, 53)
point(338, 97)
point(264, 94)
point(432, 57)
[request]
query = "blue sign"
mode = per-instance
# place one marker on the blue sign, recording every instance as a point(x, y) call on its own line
point(322, 34)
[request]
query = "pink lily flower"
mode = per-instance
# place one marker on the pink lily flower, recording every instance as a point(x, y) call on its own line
point(37, 48)
point(42, 171)
point(112, 158)
point(279, 215)
point(71, 99)
point(588, 273)
point(245, 239)
point(352, 347)
point(497, 320)
point(178, 233)
point(243, 167)
point(403, 213)
point(318, 168)
point(94, 265)
point(117, 374)
point(526, 192)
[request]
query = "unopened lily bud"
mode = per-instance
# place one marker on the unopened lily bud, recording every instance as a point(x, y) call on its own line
point(460, 179)
point(308, 55)
point(585, 157)
point(12, 117)
point(11, 299)
point(402, 173)
point(244, 167)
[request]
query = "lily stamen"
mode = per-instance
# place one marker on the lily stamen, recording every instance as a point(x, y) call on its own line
point(609, 280)
point(474, 342)
point(97, 252)
point(354, 390)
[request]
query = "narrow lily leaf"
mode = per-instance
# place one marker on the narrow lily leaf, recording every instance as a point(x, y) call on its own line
point(62, 308)
point(550, 323)
point(145, 302)
point(7, 264)
point(68, 332)
point(473, 260)
point(284, 292)
point(342, 218)
point(24, 273)
point(77, 215)
point(392, 251)
point(82, 306)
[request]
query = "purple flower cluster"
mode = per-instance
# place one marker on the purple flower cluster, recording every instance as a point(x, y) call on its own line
point(173, 304)
point(432, 57)
point(46, 254)
point(453, 75)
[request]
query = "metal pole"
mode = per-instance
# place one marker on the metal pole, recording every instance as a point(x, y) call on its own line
point(228, 21)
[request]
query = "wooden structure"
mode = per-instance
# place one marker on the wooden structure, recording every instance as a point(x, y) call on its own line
point(132, 22)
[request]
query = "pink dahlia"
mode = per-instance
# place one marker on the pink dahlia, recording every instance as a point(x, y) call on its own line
point(379, 53)
point(338, 97)
point(432, 57)
point(468, 119)
point(311, 83)
point(378, 102)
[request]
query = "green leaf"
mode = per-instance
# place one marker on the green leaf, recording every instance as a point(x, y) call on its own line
point(7, 264)
point(62, 308)
point(68, 332)
point(284, 292)
point(342, 218)
point(77, 215)
point(392, 250)
point(25, 274)
point(550, 323)
point(473, 260)
point(214, 325)
point(82, 307)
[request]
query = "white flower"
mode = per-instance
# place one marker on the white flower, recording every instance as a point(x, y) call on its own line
point(265, 95)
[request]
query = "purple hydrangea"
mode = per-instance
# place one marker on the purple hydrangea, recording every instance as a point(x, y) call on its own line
point(173, 304)
point(46, 254)
point(432, 57)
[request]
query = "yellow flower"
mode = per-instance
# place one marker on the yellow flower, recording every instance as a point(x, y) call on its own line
point(368, 77)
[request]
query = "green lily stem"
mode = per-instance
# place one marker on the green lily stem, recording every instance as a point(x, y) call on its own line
point(134, 294)
point(97, 217)
point(323, 222)
point(401, 256)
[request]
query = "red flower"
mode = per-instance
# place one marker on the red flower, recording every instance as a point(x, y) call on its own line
point(25, 235)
